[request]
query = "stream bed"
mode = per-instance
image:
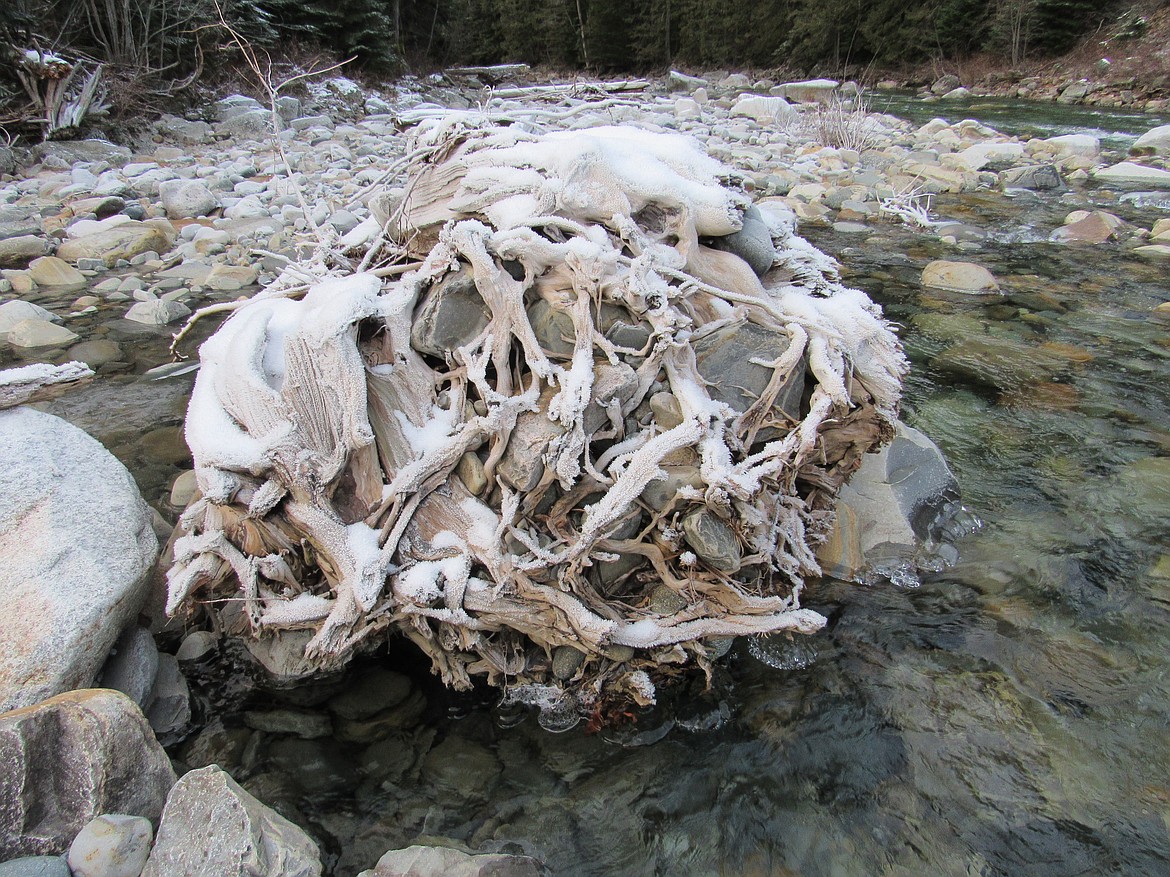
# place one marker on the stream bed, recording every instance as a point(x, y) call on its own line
point(1007, 716)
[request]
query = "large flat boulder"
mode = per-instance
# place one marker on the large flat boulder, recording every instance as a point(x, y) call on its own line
point(76, 550)
point(70, 759)
point(123, 241)
point(211, 827)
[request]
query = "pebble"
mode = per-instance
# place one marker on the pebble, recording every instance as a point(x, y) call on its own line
point(112, 845)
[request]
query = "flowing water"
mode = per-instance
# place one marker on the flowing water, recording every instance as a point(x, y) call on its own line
point(1008, 716)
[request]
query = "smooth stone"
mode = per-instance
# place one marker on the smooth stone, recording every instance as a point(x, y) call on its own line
point(1153, 251)
point(999, 363)
point(250, 125)
point(946, 83)
point(101, 207)
point(752, 243)
point(423, 861)
point(553, 328)
point(132, 665)
point(712, 540)
point(1040, 177)
point(299, 723)
point(1155, 141)
point(659, 492)
point(980, 155)
point(120, 242)
point(566, 661)
point(667, 412)
point(51, 271)
point(197, 645)
point(183, 489)
point(157, 312)
point(13, 312)
point(229, 278)
point(40, 333)
point(186, 199)
point(383, 724)
point(72, 758)
point(17, 252)
point(74, 152)
point(1095, 228)
point(666, 601)
point(1083, 145)
point(1136, 174)
point(371, 693)
point(470, 470)
point(166, 444)
point(35, 866)
point(764, 110)
point(169, 712)
point(96, 353)
point(725, 361)
point(959, 277)
point(211, 827)
point(112, 845)
point(461, 767)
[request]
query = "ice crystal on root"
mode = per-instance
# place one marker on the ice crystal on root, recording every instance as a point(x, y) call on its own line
point(597, 421)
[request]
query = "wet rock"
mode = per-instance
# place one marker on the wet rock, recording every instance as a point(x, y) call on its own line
point(186, 199)
point(461, 767)
point(452, 314)
point(299, 723)
point(113, 845)
point(157, 312)
point(96, 353)
point(132, 665)
point(999, 363)
point(752, 243)
point(76, 550)
point(122, 241)
point(1095, 228)
point(725, 361)
point(71, 758)
point(382, 724)
point(1040, 177)
point(1127, 172)
point(1156, 141)
point(889, 507)
point(566, 661)
point(35, 866)
point(422, 861)
point(1153, 251)
point(211, 827)
point(959, 277)
point(712, 540)
point(317, 766)
point(17, 252)
point(370, 693)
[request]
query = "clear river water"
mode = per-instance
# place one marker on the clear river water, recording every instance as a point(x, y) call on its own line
point(1007, 716)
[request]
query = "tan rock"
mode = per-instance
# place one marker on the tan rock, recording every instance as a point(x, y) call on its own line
point(123, 241)
point(52, 271)
point(1096, 227)
point(959, 277)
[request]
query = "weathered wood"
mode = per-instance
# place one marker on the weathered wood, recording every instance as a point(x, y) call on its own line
point(40, 382)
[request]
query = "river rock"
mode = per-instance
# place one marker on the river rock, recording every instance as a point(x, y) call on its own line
point(174, 129)
point(959, 277)
point(100, 206)
point(420, 861)
point(752, 243)
point(96, 353)
point(299, 723)
point(1153, 251)
point(1095, 228)
point(13, 312)
point(186, 199)
point(451, 315)
point(211, 827)
point(725, 359)
point(370, 693)
point(169, 710)
point(229, 278)
point(765, 110)
point(71, 758)
point(980, 155)
point(157, 312)
point(39, 333)
point(661, 491)
point(113, 845)
point(676, 81)
point(1155, 141)
point(712, 540)
point(999, 363)
point(251, 125)
point(810, 91)
point(1136, 174)
point(461, 767)
point(76, 551)
point(123, 241)
point(1040, 177)
point(1084, 145)
point(18, 251)
point(888, 507)
point(1074, 92)
point(946, 83)
point(35, 866)
point(51, 271)
point(132, 665)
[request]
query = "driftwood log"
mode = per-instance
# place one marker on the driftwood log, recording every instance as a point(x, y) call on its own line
point(573, 412)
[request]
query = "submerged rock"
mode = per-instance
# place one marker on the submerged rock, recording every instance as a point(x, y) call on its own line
point(421, 861)
point(959, 277)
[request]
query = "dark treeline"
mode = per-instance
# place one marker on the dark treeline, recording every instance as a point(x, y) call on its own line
point(641, 35)
point(600, 35)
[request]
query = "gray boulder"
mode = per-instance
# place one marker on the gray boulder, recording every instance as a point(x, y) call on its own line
point(17, 252)
point(948, 82)
point(70, 759)
point(1041, 177)
point(752, 243)
point(76, 552)
point(211, 827)
point(35, 866)
point(252, 125)
point(186, 199)
point(420, 861)
point(725, 362)
point(1156, 141)
point(78, 151)
point(132, 665)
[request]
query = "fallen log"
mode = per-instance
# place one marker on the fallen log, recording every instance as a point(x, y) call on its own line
point(594, 429)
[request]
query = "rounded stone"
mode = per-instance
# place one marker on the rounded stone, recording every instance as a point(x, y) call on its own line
point(959, 277)
point(112, 845)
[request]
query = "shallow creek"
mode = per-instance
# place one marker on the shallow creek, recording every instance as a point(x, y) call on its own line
point(1007, 716)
